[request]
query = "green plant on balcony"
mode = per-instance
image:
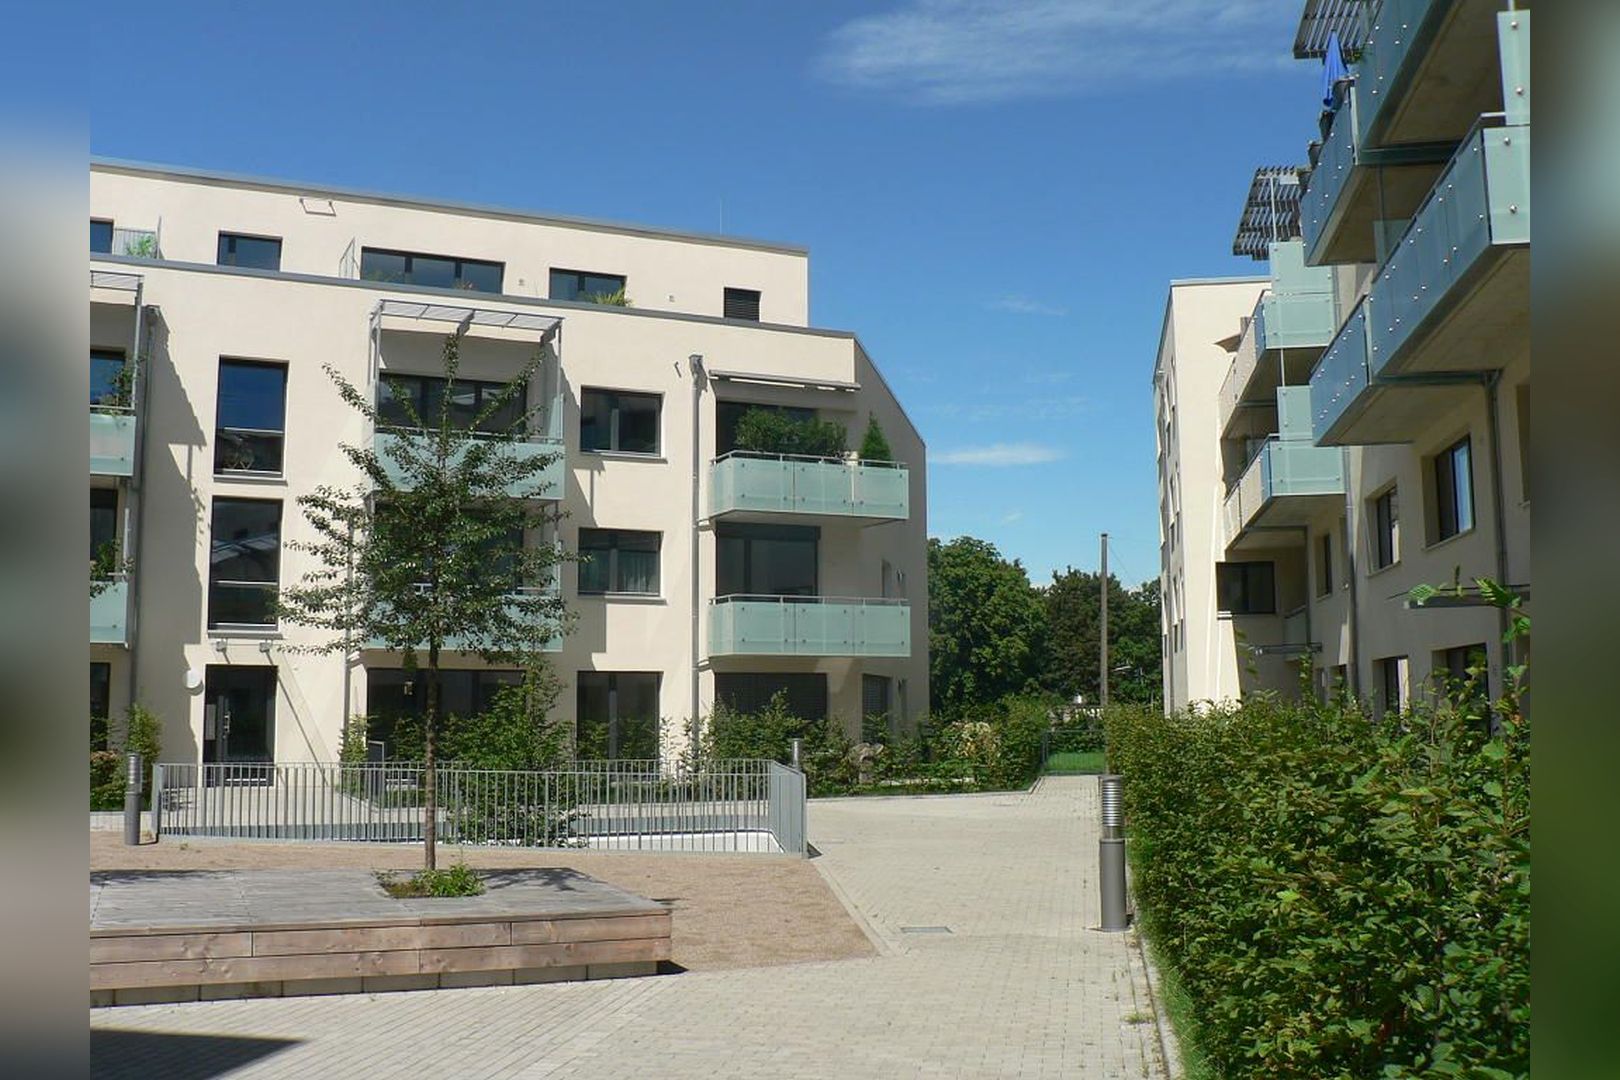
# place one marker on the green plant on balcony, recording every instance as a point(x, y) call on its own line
point(770, 431)
point(105, 566)
point(120, 392)
point(616, 298)
point(143, 246)
point(875, 445)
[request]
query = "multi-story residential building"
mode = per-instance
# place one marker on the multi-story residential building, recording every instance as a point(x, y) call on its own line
point(712, 574)
point(1372, 429)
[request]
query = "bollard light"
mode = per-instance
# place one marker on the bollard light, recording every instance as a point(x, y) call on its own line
point(1111, 852)
point(798, 749)
point(133, 778)
point(132, 800)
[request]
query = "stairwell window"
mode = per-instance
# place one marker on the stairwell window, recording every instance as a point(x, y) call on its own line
point(1453, 491)
point(250, 418)
point(742, 304)
point(244, 562)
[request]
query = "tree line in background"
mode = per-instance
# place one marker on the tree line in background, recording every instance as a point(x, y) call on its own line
point(995, 634)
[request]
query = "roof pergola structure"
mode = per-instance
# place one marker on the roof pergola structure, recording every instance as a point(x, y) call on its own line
point(1271, 211)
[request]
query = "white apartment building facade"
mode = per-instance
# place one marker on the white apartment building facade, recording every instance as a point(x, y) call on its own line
point(1370, 429)
point(713, 574)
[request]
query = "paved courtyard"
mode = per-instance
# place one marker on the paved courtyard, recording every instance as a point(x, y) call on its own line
point(983, 908)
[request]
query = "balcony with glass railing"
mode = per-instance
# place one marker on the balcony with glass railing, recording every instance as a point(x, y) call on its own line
point(109, 611)
point(1291, 322)
point(112, 440)
point(809, 626)
point(1289, 479)
point(745, 484)
point(546, 482)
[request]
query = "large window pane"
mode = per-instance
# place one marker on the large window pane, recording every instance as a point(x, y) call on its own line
point(103, 519)
point(106, 378)
point(751, 691)
point(617, 715)
point(250, 418)
point(255, 252)
point(767, 560)
point(619, 420)
point(479, 276)
point(383, 265)
point(434, 271)
point(619, 561)
point(101, 233)
point(583, 284)
point(394, 694)
point(244, 562)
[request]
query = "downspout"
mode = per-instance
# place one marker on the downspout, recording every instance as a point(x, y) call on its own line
point(132, 538)
point(1353, 658)
point(1489, 383)
point(695, 367)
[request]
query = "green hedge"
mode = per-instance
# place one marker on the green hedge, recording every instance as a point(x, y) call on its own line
point(1339, 897)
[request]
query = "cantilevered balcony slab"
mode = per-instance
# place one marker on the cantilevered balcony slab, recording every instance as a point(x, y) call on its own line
point(749, 486)
point(1286, 485)
point(109, 614)
point(809, 626)
point(112, 442)
point(546, 483)
point(1356, 197)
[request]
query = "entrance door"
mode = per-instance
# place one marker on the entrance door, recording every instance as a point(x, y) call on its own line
point(239, 715)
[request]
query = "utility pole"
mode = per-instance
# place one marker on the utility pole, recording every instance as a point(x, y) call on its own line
point(1102, 666)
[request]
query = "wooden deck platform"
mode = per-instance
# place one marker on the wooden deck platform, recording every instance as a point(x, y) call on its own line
point(202, 935)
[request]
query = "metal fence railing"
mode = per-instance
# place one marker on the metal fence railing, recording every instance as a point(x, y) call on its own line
point(716, 806)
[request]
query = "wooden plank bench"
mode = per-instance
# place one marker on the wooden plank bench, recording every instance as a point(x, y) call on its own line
point(202, 935)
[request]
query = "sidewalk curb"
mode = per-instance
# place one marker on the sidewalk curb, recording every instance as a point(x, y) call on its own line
point(883, 946)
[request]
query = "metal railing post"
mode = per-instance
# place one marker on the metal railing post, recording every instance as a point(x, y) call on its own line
point(1111, 852)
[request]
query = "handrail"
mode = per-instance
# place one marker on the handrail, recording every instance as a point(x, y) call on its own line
point(112, 410)
point(760, 455)
point(757, 598)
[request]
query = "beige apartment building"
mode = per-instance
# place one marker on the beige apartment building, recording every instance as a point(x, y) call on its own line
point(712, 574)
point(1357, 423)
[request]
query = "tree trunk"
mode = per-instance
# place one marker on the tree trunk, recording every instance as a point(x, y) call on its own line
point(430, 780)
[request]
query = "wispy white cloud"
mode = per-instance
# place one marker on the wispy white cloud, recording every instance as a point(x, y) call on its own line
point(1045, 407)
point(998, 455)
point(951, 52)
point(1012, 518)
point(1023, 305)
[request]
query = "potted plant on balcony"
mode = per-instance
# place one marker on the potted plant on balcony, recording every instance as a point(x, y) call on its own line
point(773, 431)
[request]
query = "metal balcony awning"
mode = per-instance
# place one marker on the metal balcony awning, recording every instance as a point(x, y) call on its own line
point(466, 318)
point(1271, 211)
point(1322, 18)
point(112, 279)
point(782, 380)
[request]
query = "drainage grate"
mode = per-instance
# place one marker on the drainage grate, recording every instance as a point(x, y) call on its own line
point(925, 929)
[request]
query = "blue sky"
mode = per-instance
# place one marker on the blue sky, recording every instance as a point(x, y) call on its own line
point(994, 194)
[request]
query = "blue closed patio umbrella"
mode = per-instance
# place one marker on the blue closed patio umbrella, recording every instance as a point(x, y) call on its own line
point(1333, 69)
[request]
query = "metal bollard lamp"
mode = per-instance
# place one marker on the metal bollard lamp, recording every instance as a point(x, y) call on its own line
point(1111, 852)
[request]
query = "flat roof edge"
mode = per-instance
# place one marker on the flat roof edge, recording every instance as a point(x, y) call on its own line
point(1243, 280)
point(182, 172)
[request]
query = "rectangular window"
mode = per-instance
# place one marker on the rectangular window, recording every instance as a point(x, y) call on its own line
point(766, 560)
point(100, 703)
point(244, 562)
point(1324, 564)
point(1392, 685)
point(585, 285)
point(875, 704)
point(1450, 672)
point(618, 561)
point(103, 520)
point(1385, 539)
point(253, 252)
point(101, 233)
point(618, 420)
point(1453, 491)
point(394, 694)
point(108, 387)
point(415, 401)
point(434, 271)
point(1247, 588)
point(250, 418)
point(617, 715)
point(742, 304)
point(751, 691)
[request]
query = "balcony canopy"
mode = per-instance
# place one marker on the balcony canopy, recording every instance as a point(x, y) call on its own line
point(467, 317)
point(1322, 18)
point(1271, 212)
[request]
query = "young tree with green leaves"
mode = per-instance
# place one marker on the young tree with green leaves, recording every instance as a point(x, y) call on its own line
point(986, 626)
point(428, 554)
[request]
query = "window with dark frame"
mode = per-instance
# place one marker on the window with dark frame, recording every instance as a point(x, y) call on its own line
point(100, 703)
point(1453, 490)
point(728, 413)
point(101, 234)
point(1392, 694)
point(623, 561)
point(395, 694)
point(1247, 588)
point(752, 691)
point(619, 421)
point(766, 560)
point(244, 562)
point(250, 417)
point(399, 395)
point(103, 520)
point(1386, 530)
point(433, 271)
point(617, 715)
point(585, 285)
point(742, 304)
point(1451, 666)
point(1324, 564)
point(107, 389)
point(251, 252)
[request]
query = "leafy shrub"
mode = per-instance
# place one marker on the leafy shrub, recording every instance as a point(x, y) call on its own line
point(106, 780)
point(1339, 896)
point(458, 879)
point(875, 445)
point(1079, 733)
point(769, 733)
point(771, 431)
point(143, 734)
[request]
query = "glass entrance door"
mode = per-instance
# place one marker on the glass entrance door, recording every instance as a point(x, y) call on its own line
point(239, 716)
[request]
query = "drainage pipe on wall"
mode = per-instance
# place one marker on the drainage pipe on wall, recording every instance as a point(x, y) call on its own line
point(695, 369)
point(1489, 383)
point(1353, 653)
point(133, 538)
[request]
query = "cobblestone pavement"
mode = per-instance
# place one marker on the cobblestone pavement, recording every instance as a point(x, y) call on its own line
point(1017, 984)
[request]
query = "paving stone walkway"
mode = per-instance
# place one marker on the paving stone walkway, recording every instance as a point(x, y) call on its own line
point(984, 908)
